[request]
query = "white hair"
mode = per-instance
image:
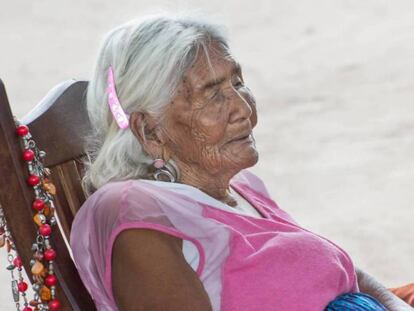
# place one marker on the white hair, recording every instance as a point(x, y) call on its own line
point(149, 57)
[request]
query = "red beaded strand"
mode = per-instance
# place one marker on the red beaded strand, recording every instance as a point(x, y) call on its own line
point(44, 279)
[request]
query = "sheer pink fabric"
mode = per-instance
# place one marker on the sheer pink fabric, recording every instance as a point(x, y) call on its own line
point(245, 263)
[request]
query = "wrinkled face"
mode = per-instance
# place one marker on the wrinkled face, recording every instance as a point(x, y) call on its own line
point(209, 122)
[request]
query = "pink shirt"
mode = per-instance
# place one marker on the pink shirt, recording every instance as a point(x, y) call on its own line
point(245, 263)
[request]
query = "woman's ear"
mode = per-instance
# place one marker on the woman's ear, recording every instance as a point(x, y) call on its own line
point(143, 126)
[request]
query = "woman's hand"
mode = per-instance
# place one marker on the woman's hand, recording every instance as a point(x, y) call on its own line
point(149, 272)
point(367, 284)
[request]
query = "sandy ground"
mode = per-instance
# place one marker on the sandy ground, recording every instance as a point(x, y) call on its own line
point(334, 81)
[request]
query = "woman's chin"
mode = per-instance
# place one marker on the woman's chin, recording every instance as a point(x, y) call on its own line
point(250, 158)
point(255, 158)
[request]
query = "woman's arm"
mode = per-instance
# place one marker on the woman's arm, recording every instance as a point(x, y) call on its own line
point(149, 272)
point(367, 284)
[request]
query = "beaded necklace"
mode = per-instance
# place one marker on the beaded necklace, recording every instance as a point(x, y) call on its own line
point(43, 278)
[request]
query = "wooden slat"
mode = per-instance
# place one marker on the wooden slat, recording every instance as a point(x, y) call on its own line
point(71, 182)
point(69, 196)
point(62, 204)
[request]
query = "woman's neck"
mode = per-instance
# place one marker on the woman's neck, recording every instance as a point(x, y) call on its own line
point(215, 186)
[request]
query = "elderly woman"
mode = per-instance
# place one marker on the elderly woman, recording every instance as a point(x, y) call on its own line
point(174, 220)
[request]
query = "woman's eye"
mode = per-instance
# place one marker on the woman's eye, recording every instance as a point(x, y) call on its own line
point(239, 84)
point(212, 95)
point(215, 94)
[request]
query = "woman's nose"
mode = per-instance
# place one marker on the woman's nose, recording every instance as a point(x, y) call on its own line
point(241, 110)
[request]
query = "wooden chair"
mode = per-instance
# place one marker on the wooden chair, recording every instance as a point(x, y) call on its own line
point(58, 125)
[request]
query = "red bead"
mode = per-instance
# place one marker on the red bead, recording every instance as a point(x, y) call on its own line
point(22, 130)
point(45, 230)
point(51, 280)
point(54, 305)
point(33, 180)
point(38, 204)
point(27, 309)
point(49, 254)
point(28, 155)
point(18, 262)
point(22, 286)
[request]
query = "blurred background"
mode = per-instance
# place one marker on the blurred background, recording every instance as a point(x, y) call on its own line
point(334, 83)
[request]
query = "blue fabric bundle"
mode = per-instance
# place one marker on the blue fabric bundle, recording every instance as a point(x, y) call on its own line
point(355, 302)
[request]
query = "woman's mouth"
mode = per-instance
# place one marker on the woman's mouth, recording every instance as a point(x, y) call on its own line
point(244, 139)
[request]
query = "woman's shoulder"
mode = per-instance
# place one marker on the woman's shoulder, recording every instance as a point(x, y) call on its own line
point(135, 187)
point(117, 191)
point(116, 196)
point(141, 197)
point(138, 199)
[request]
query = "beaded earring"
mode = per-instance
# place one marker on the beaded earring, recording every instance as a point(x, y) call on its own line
point(164, 169)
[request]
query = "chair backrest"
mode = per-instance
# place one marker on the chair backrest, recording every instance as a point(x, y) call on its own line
point(59, 125)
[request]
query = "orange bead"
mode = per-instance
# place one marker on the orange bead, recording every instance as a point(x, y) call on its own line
point(46, 211)
point(37, 268)
point(45, 293)
point(38, 219)
point(33, 303)
point(49, 187)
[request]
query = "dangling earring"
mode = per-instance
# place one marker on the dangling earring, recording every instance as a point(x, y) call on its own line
point(168, 170)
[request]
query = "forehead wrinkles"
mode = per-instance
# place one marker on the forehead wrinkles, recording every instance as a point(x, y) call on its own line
point(212, 64)
point(201, 70)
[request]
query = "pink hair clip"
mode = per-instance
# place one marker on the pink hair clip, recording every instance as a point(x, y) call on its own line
point(114, 105)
